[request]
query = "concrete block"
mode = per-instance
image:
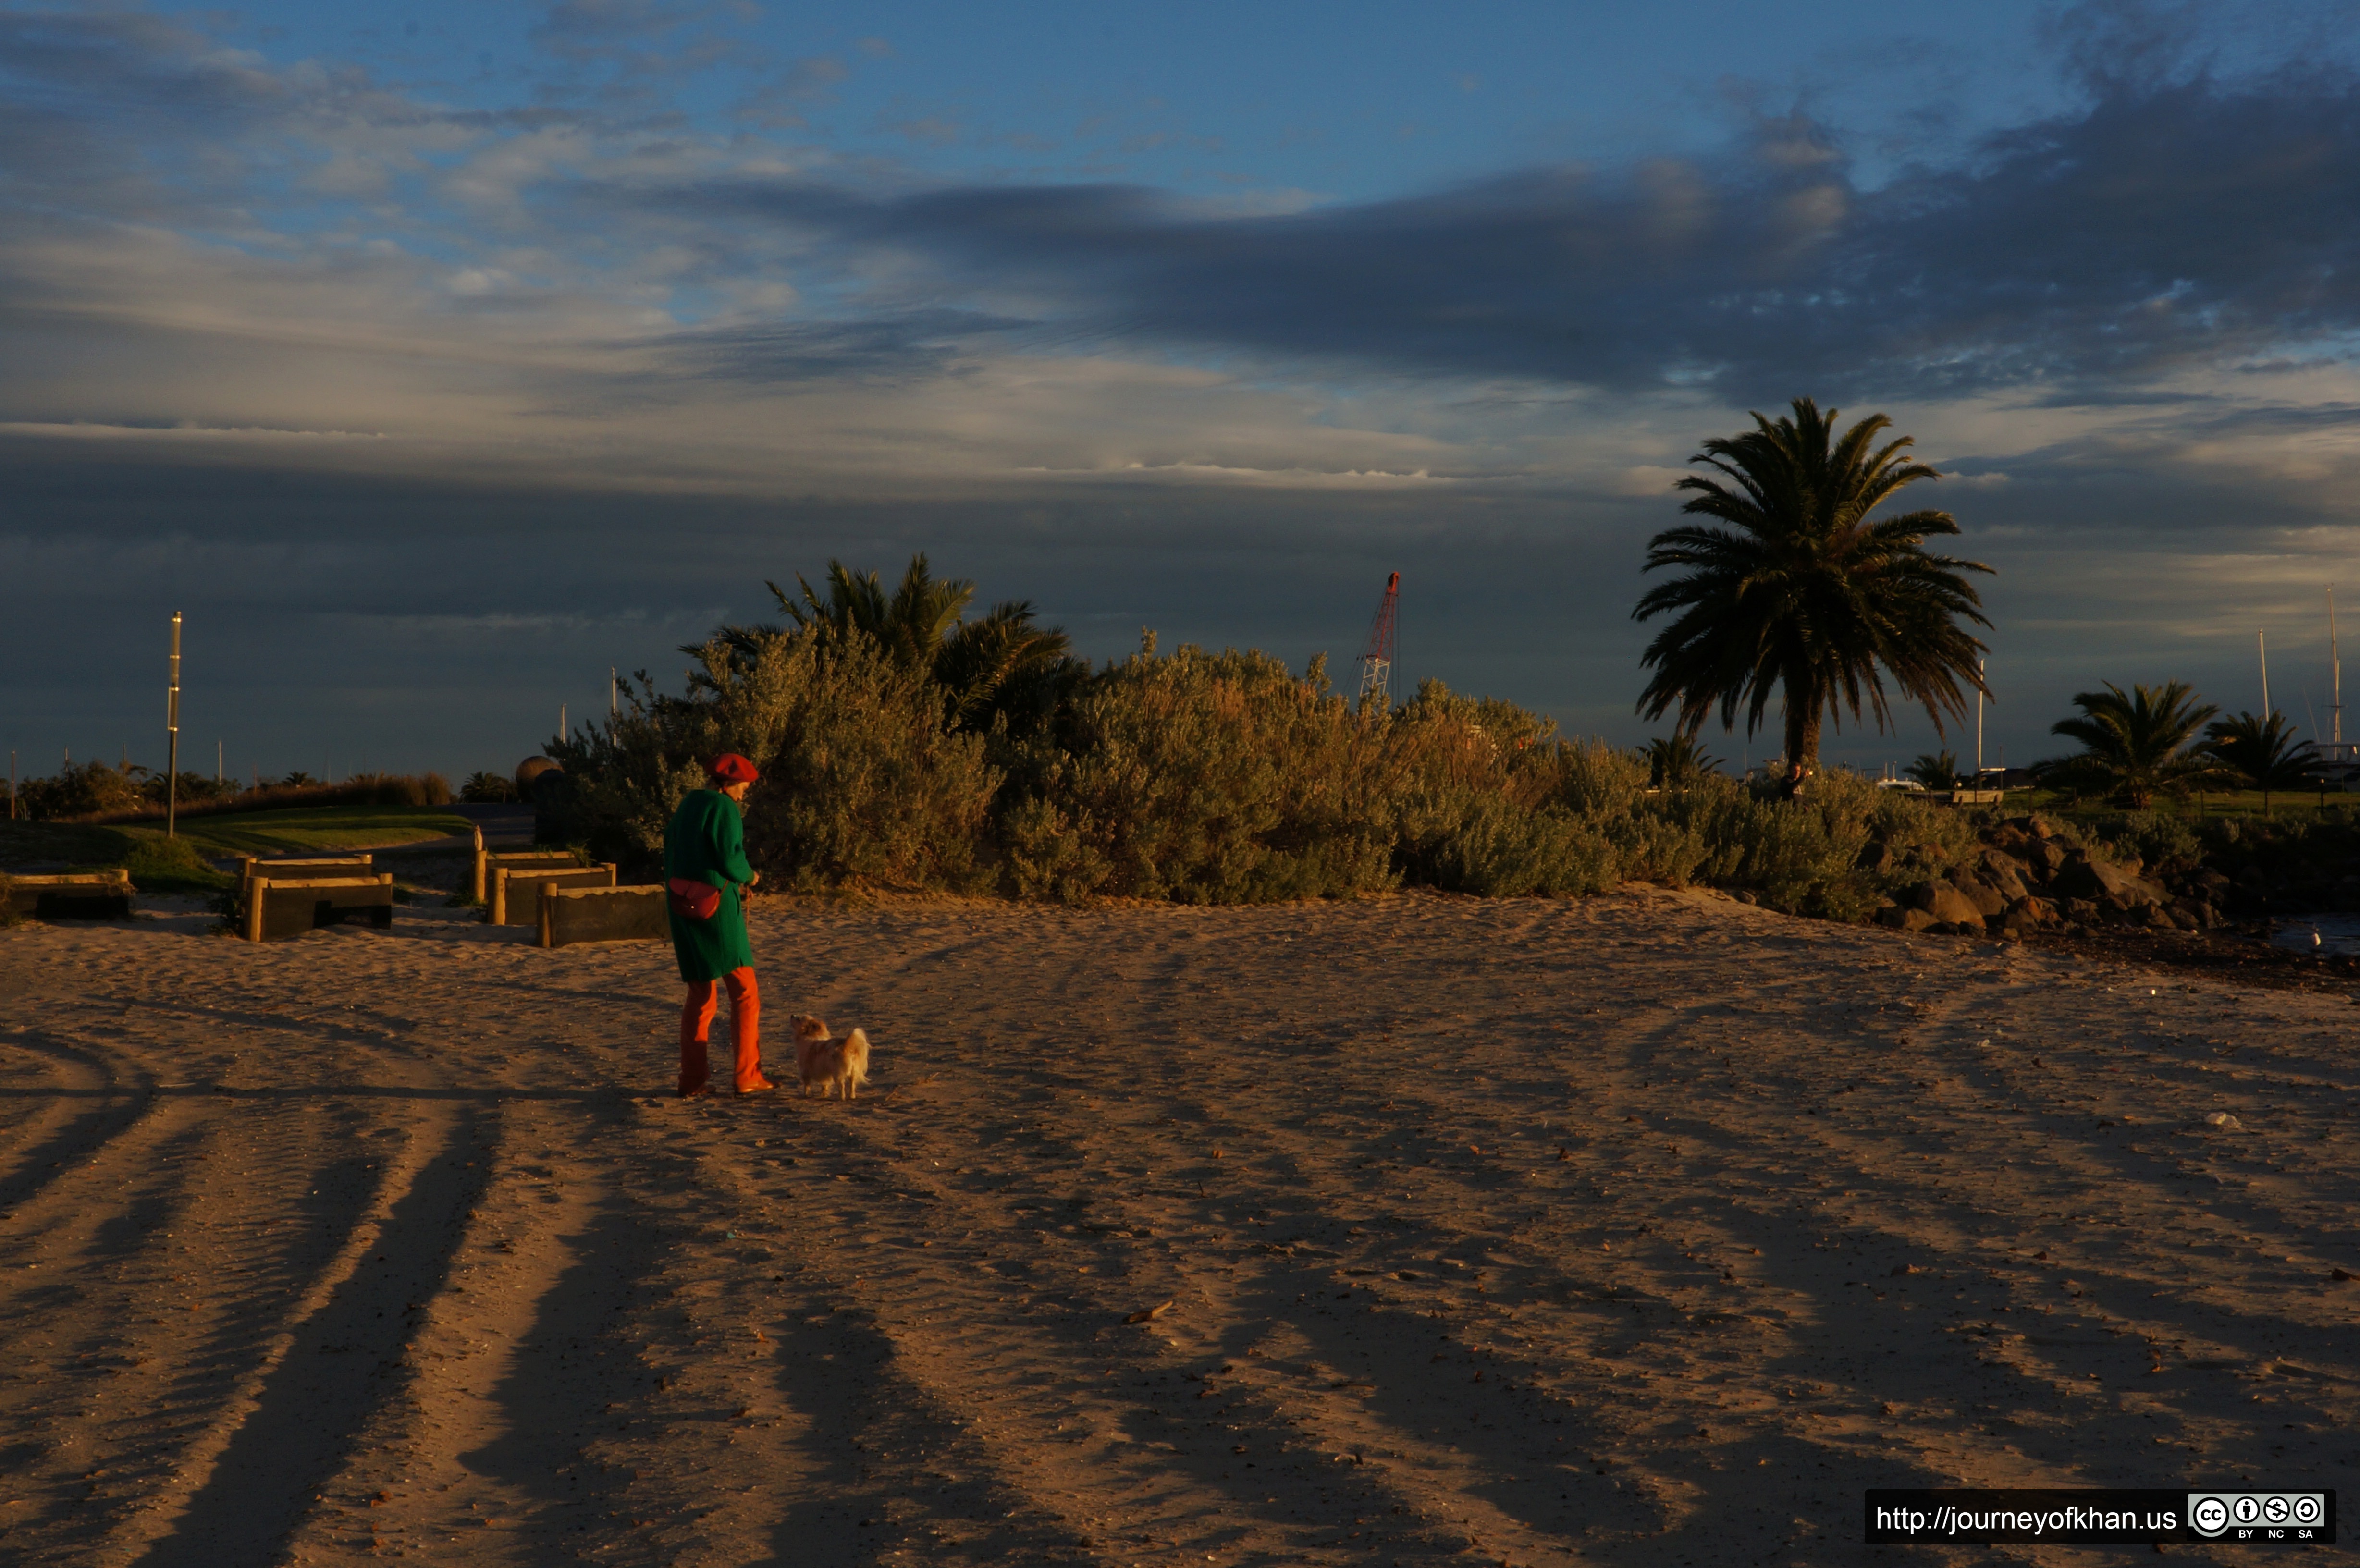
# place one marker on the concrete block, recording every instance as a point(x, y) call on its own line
point(515, 898)
point(277, 910)
point(69, 895)
point(250, 866)
point(568, 915)
point(480, 883)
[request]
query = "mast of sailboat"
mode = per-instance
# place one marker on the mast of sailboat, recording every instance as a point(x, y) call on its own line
point(1980, 663)
point(2336, 672)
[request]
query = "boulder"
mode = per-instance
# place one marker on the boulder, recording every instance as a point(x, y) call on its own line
point(1904, 919)
point(2106, 882)
point(1988, 900)
point(2032, 913)
point(2194, 914)
point(1944, 903)
point(2046, 858)
point(2003, 874)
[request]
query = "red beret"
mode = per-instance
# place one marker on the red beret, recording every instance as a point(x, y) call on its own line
point(732, 768)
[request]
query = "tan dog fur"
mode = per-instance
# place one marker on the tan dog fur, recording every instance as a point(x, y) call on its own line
point(821, 1059)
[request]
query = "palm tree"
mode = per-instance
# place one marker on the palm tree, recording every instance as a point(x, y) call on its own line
point(2263, 753)
point(1675, 761)
point(983, 665)
point(910, 625)
point(1802, 592)
point(2134, 745)
point(1935, 770)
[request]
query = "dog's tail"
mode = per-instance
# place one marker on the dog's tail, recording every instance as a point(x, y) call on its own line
point(856, 1055)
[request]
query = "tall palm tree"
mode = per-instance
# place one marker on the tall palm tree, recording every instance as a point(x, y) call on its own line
point(1802, 593)
point(910, 625)
point(982, 665)
point(2263, 753)
point(2134, 745)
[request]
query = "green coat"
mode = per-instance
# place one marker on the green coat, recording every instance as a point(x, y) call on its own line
point(705, 840)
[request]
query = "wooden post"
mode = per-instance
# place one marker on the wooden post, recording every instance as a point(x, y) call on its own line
point(476, 883)
point(548, 920)
point(498, 913)
point(260, 892)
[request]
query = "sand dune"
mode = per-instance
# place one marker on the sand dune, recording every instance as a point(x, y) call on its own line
point(1645, 1229)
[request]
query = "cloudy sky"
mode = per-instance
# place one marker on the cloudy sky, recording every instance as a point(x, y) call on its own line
point(436, 358)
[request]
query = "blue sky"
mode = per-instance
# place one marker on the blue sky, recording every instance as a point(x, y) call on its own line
point(435, 358)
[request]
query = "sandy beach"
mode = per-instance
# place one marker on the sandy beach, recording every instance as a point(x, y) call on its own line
point(1645, 1229)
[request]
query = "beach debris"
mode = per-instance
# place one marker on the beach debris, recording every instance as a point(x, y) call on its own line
point(2223, 1122)
point(2340, 1274)
point(1148, 1314)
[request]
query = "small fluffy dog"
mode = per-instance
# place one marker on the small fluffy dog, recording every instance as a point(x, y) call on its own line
point(824, 1060)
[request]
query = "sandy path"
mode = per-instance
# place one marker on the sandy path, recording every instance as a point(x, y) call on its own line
point(1640, 1230)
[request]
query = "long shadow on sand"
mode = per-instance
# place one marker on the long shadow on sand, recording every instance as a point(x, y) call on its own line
point(839, 1372)
point(343, 1359)
point(566, 1369)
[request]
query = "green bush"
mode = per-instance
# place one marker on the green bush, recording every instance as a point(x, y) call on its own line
point(88, 791)
point(161, 865)
point(1202, 778)
point(2151, 837)
point(864, 782)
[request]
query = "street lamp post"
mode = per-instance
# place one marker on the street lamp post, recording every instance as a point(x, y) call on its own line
point(172, 737)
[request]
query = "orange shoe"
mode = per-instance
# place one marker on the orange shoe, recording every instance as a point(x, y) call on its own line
point(759, 1086)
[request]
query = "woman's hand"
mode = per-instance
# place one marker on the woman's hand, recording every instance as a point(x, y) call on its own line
point(756, 877)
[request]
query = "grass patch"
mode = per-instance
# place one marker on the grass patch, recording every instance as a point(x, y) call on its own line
point(158, 864)
point(161, 865)
point(319, 827)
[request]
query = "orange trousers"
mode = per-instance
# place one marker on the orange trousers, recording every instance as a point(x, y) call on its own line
point(745, 1030)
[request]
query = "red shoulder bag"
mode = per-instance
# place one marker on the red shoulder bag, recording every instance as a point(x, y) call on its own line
point(693, 899)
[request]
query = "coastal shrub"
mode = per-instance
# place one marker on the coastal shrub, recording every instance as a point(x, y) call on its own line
point(864, 782)
point(1486, 800)
point(1204, 779)
point(425, 789)
point(195, 789)
point(91, 790)
point(2151, 838)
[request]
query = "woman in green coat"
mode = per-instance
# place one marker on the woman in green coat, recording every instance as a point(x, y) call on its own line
point(704, 848)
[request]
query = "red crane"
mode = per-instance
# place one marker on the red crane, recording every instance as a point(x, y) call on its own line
point(1384, 644)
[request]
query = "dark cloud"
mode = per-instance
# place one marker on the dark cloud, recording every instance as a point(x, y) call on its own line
point(2164, 224)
